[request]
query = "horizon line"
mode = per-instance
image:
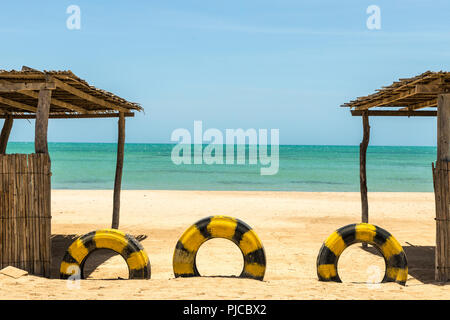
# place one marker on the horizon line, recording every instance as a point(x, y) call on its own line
point(173, 143)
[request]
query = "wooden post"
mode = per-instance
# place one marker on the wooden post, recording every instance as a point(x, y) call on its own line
point(4, 136)
point(362, 170)
point(442, 190)
point(42, 187)
point(43, 109)
point(119, 168)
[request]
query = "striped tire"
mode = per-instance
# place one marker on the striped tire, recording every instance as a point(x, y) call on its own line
point(386, 244)
point(184, 258)
point(124, 244)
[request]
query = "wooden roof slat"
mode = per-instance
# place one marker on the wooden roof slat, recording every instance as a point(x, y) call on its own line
point(406, 94)
point(57, 102)
point(87, 96)
point(66, 115)
point(18, 105)
point(423, 105)
point(394, 113)
point(19, 91)
point(401, 85)
point(7, 86)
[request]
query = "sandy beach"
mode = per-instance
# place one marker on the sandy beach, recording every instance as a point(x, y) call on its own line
point(291, 225)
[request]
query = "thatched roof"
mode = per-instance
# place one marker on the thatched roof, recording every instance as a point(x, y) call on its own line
point(406, 96)
point(71, 95)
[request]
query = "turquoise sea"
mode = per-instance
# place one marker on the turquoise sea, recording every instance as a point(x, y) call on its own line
point(301, 168)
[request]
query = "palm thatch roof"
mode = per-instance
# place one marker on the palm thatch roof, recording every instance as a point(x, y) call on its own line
point(72, 97)
point(405, 97)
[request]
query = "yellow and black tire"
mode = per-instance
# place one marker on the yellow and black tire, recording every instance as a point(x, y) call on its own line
point(124, 244)
point(184, 264)
point(383, 241)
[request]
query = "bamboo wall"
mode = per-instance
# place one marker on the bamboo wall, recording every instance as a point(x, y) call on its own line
point(25, 215)
point(442, 193)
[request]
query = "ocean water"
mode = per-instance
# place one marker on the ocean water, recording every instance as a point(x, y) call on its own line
point(301, 168)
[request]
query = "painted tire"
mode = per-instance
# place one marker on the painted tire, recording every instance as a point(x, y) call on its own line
point(184, 258)
point(383, 241)
point(124, 244)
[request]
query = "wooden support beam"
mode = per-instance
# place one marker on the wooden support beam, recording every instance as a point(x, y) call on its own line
point(362, 170)
point(441, 177)
point(17, 105)
point(56, 102)
point(443, 144)
point(390, 96)
point(4, 135)
point(433, 88)
point(43, 109)
point(119, 168)
point(408, 93)
point(394, 113)
point(69, 116)
point(86, 96)
point(421, 105)
point(8, 86)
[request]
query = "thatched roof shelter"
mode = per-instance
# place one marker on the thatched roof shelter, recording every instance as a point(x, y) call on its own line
point(404, 97)
point(425, 95)
point(72, 97)
point(25, 184)
point(30, 93)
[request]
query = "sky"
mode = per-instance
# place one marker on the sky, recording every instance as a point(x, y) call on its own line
point(285, 64)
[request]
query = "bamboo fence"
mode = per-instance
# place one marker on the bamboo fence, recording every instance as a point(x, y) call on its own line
point(25, 215)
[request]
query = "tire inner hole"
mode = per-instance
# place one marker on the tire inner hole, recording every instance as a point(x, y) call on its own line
point(105, 264)
point(358, 265)
point(219, 257)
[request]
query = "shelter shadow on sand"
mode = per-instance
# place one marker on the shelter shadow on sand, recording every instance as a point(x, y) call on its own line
point(60, 244)
point(420, 261)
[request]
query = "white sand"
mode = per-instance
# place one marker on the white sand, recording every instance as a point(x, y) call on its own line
point(291, 225)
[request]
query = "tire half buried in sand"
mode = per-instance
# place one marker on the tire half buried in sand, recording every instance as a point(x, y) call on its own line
point(124, 244)
point(383, 241)
point(184, 258)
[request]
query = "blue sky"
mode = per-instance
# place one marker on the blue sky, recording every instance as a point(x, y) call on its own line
point(232, 64)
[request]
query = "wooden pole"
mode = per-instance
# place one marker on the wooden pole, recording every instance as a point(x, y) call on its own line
point(362, 170)
point(40, 138)
point(4, 136)
point(441, 175)
point(42, 189)
point(443, 144)
point(119, 169)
